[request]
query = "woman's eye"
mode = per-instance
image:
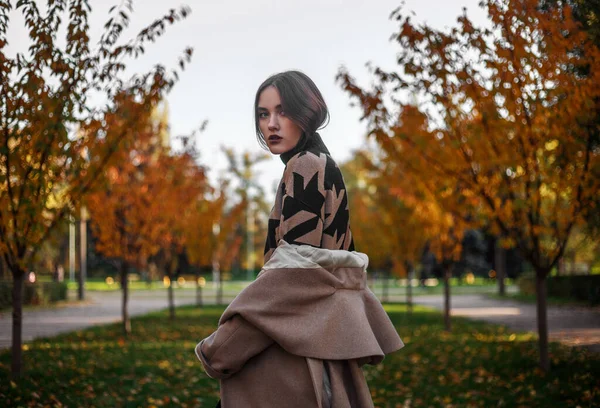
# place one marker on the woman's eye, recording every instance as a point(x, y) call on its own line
point(262, 115)
point(282, 113)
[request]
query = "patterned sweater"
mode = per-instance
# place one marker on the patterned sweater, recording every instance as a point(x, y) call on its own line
point(311, 205)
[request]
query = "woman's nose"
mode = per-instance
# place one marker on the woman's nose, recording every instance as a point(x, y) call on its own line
point(273, 122)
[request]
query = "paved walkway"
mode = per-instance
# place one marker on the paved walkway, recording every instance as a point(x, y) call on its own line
point(98, 308)
point(575, 326)
point(572, 325)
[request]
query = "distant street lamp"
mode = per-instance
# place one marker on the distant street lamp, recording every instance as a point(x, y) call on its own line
point(71, 249)
point(83, 251)
point(216, 267)
point(250, 242)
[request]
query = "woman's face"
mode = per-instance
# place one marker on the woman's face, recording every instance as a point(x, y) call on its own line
point(279, 131)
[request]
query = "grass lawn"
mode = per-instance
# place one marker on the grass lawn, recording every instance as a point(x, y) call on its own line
point(234, 287)
point(95, 285)
point(478, 365)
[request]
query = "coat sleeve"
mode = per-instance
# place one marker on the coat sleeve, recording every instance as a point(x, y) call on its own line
point(302, 212)
point(226, 351)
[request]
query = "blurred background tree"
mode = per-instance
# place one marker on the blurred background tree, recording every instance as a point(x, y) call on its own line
point(45, 100)
point(502, 114)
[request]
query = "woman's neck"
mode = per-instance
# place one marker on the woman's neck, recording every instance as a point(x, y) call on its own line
point(305, 143)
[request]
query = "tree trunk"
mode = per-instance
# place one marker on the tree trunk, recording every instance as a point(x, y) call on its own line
point(542, 319)
point(171, 295)
point(17, 323)
point(125, 289)
point(5, 269)
point(560, 268)
point(409, 274)
point(54, 271)
point(447, 322)
point(500, 264)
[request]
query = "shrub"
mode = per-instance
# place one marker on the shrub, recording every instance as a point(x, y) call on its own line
point(5, 294)
point(579, 287)
point(39, 293)
point(526, 284)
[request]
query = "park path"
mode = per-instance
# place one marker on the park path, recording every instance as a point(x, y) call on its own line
point(571, 325)
point(98, 308)
point(576, 326)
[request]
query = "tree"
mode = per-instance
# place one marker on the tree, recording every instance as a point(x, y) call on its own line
point(200, 241)
point(45, 167)
point(141, 206)
point(587, 13)
point(501, 110)
point(408, 216)
point(228, 222)
point(124, 208)
point(212, 237)
point(250, 195)
point(368, 218)
point(442, 231)
point(381, 220)
point(52, 256)
point(183, 183)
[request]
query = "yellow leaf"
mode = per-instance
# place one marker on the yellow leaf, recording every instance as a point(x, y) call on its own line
point(551, 145)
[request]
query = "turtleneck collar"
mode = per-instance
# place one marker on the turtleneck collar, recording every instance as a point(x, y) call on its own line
point(313, 142)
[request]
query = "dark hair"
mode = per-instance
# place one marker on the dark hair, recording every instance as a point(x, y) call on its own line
point(301, 101)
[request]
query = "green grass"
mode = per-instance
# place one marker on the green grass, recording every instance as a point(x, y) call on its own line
point(95, 285)
point(478, 365)
point(100, 285)
point(103, 286)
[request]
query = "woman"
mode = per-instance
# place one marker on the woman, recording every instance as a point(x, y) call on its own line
point(297, 336)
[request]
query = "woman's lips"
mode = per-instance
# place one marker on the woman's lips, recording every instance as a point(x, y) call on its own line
point(275, 139)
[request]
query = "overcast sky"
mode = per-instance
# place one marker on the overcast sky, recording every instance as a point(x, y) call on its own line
point(239, 43)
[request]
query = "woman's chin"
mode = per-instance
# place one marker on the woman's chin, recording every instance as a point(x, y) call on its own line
point(276, 149)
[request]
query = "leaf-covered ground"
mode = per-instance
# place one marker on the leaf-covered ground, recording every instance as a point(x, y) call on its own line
point(478, 365)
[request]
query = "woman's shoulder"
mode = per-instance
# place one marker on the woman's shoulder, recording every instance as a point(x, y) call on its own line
point(308, 158)
point(312, 161)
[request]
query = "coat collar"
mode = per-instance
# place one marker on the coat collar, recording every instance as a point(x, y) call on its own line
point(308, 257)
point(313, 143)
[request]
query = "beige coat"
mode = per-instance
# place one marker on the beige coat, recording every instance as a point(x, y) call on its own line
point(297, 336)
